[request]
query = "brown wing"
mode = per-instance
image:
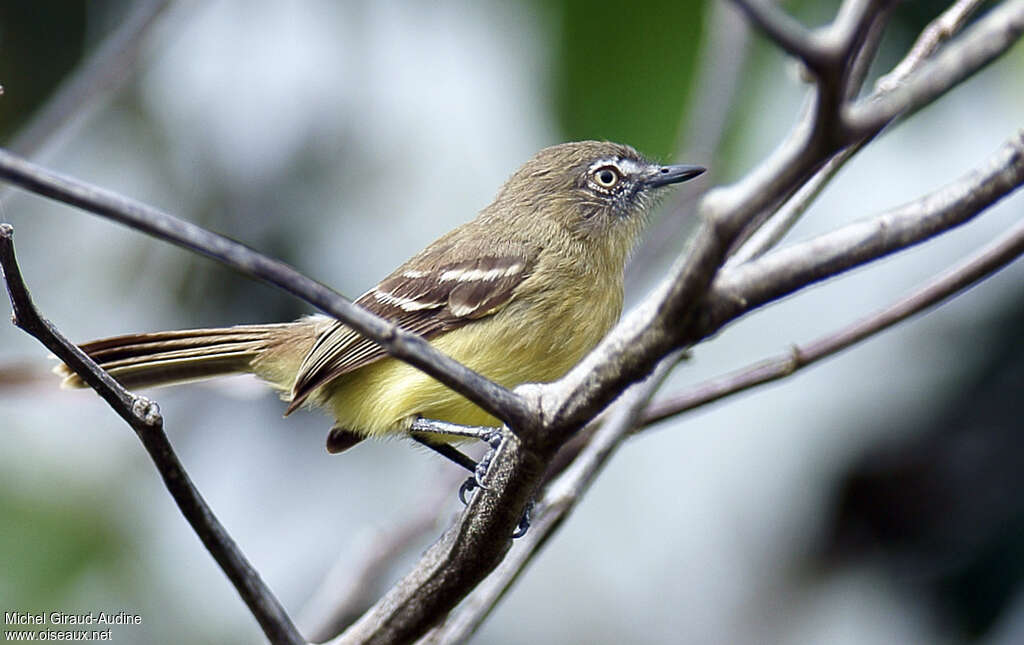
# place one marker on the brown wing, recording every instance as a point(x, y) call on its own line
point(425, 301)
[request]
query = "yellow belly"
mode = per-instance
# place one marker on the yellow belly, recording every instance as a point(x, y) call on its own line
point(510, 348)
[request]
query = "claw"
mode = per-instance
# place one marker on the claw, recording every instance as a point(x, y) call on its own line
point(480, 472)
point(467, 488)
point(524, 522)
point(494, 438)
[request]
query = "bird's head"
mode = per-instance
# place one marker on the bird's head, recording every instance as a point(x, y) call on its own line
point(596, 191)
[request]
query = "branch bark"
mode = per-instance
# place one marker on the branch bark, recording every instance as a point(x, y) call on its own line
point(742, 289)
point(144, 418)
point(982, 43)
point(987, 261)
point(775, 228)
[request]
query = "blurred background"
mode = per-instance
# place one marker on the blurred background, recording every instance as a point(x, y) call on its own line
point(875, 498)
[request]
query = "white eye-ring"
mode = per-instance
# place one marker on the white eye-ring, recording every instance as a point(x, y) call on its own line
point(607, 176)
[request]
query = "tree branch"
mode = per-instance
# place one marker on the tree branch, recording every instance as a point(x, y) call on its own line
point(558, 501)
point(744, 288)
point(401, 344)
point(725, 42)
point(461, 558)
point(982, 43)
point(105, 69)
point(937, 32)
point(983, 264)
point(775, 228)
point(144, 418)
point(349, 590)
point(790, 36)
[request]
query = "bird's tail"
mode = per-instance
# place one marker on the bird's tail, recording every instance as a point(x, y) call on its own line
point(273, 352)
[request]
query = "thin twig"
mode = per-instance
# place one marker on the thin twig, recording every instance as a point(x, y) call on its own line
point(399, 343)
point(848, 44)
point(779, 224)
point(742, 289)
point(983, 264)
point(775, 228)
point(144, 418)
point(937, 32)
point(979, 45)
point(788, 34)
point(726, 41)
point(859, 68)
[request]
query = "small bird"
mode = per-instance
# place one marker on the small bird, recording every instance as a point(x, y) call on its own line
point(519, 294)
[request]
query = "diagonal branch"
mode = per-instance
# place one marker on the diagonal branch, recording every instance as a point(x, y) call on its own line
point(938, 31)
point(461, 558)
point(779, 224)
point(744, 288)
point(723, 52)
point(144, 418)
point(348, 590)
point(982, 43)
point(401, 344)
point(792, 37)
point(983, 264)
point(659, 324)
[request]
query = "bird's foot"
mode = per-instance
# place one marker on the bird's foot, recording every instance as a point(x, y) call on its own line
point(491, 436)
point(472, 484)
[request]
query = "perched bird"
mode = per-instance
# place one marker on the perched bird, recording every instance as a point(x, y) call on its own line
point(519, 294)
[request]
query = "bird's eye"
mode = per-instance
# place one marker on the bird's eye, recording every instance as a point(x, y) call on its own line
point(607, 176)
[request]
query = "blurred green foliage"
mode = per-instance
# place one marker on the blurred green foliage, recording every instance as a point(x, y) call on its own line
point(54, 31)
point(624, 74)
point(48, 543)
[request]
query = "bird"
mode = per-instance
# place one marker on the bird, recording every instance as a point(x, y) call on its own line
point(519, 294)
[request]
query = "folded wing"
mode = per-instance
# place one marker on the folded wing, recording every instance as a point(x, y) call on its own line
point(426, 301)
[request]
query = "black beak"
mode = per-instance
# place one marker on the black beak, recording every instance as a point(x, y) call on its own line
point(665, 175)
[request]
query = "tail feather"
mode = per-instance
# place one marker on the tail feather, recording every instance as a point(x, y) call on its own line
point(168, 357)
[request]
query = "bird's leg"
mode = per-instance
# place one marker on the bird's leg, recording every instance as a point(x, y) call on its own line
point(491, 436)
point(433, 426)
point(449, 452)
